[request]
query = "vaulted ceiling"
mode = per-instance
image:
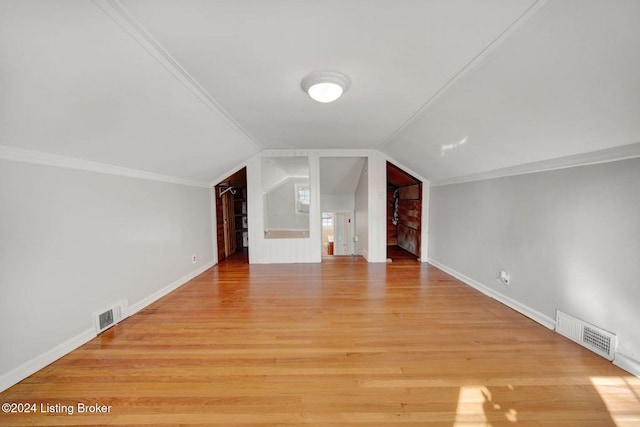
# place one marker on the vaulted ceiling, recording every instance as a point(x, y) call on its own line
point(193, 88)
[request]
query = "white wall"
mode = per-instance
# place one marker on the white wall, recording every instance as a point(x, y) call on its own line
point(362, 213)
point(297, 250)
point(377, 206)
point(424, 225)
point(280, 207)
point(570, 239)
point(370, 220)
point(73, 242)
point(337, 202)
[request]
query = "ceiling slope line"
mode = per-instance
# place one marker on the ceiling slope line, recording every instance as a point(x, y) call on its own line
point(511, 28)
point(24, 155)
point(123, 18)
point(614, 154)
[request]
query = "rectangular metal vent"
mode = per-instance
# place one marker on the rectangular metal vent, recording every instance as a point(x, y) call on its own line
point(589, 336)
point(107, 318)
point(596, 339)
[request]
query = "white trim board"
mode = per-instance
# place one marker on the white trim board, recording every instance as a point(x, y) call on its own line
point(628, 364)
point(134, 308)
point(614, 154)
point(32, 366)
point(621, 361)
point(531, 313)
point(23, 155)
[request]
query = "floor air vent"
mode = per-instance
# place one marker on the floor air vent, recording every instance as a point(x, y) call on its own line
point(595, 339)
point(107, 318)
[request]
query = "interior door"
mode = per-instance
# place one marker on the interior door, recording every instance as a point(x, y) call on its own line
point(229, 226)
point(343, 233)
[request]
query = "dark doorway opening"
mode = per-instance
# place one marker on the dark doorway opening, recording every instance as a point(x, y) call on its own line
point(231, 217)
point(404, 214)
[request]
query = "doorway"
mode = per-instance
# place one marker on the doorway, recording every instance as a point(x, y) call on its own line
point(338, 233)
point(343, 233)
point(231, 217)
point(404, 215)
point(343, 195)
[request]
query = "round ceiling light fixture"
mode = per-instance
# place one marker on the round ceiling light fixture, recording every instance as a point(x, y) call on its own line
point(325, 86)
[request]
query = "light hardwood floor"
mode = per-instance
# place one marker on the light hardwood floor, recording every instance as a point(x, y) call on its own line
point(342, 343)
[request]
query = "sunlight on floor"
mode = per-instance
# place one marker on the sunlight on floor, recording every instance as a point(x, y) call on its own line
point(621, 395)
point(476, 408)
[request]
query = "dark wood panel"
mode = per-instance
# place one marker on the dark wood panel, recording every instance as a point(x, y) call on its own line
point(392, 229)
point(412, 192)
point(399, 178)
point(410, 213)
point(219, 226)
point(233, 200)
point(409, 239)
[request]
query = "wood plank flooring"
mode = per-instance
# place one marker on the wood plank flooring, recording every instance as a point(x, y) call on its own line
point(342, 343)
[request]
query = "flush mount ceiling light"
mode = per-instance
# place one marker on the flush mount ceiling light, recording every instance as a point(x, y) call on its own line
point(325, 86)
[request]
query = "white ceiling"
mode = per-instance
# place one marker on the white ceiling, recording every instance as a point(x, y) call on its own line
point(566, 82)
point(340, 175)
point(276, 170)
point(193, 88)
point(74, 83)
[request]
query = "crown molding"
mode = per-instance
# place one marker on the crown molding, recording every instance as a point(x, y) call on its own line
point(47, 159)
point(320, 152)
point(621, 152)
point(121, 16)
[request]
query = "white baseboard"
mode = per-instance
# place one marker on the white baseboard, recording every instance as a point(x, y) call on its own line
point(628, 364)
point(621, 361)
point(134, 308)
point(531, 313)
point(32, 366)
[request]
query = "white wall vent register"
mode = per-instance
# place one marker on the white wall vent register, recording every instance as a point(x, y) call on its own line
point(107, 318)
point(589, 336)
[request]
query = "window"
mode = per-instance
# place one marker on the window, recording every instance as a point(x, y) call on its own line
point(303, 197)
point(327, 219)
